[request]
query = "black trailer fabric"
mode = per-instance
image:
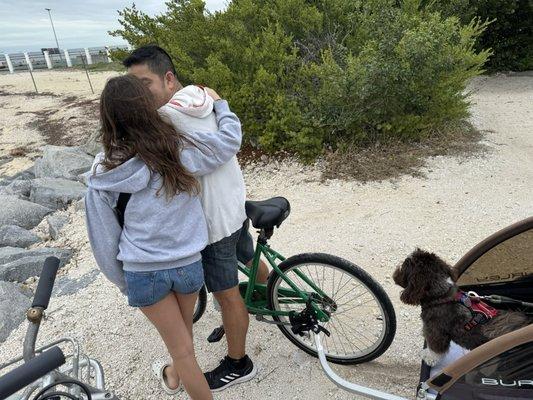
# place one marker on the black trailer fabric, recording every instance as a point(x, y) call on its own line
point(508, 376)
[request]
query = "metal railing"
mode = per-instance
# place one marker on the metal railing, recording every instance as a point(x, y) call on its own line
point(61, 58)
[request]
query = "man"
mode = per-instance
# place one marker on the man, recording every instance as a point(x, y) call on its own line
point(223, 195)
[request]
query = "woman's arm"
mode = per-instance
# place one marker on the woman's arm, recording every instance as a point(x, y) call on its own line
point(211, 150)
point(104, 235)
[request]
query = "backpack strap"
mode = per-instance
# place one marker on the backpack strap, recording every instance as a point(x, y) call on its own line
point(120, 209)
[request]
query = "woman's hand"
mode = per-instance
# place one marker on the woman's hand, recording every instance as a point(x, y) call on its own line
point(213, 94)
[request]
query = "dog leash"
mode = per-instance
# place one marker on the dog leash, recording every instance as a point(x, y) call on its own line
point(497, 299)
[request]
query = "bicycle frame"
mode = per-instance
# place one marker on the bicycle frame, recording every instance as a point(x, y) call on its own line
point(259, 307)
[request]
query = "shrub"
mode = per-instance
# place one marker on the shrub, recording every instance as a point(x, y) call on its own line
point(306, 74)
point(407, 81)
point(510, 35)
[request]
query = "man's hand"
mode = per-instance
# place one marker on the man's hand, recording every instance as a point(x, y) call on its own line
point(213, 94)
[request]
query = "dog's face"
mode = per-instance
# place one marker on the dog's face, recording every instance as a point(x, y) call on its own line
point(423, 276)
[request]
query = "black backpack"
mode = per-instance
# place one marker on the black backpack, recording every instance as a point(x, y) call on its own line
point(120, 209)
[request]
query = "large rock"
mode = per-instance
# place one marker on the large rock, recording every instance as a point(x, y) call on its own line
point(55, 223)
point(17, 265)
point(62, 162)
point(56, 193)
point(15, 211)
point(5, 159)
point(25, 174)
point(15, 236)
point(9, 254)
point(93, 145)
point(66, 286)
point(13, 305)
point(20, 188)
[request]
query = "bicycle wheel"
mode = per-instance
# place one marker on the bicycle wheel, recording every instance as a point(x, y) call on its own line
point(201, 303)
point(362, 319)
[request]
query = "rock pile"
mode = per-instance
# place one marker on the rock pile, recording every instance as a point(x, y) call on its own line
point(28, 199)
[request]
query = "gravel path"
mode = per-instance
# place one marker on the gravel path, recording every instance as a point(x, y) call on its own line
point(458, 203)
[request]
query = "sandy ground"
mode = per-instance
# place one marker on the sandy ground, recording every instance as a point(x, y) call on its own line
point(459, 202)
point(22, 108)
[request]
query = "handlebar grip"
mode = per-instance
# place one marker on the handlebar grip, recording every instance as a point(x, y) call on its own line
point(29, 372)
point(46, 283)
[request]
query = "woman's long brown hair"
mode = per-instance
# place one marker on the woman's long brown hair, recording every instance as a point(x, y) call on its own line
point(131, 126)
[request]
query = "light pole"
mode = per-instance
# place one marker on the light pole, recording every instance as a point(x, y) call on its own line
point(52, 22)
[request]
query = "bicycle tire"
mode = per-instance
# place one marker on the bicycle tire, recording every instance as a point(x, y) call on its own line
point(201, 304)
point(361, 276)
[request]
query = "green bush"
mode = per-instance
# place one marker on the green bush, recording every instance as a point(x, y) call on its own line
point(308, 74)
point(510, 34)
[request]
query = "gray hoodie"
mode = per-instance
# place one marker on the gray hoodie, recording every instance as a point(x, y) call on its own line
point(158, 233)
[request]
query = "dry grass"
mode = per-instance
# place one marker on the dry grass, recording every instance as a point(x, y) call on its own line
point(394, 158)
point(4, 93)
point(66, 130)
point(21, 151)
point(252, 155)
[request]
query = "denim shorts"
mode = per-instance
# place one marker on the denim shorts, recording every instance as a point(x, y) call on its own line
point(220, 259)
point(149, 287)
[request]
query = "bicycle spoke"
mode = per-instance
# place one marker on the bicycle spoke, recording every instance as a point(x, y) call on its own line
point(341, 344)
point(334, 296)
point(360, 295)
point(336, 350)
point(333, 282)
point(349, 309)
point(317, 277)
point(362, 303)
point(350, 321)
point(357, 332)
point(340, 281)
point(365, 345)
point(346, 337)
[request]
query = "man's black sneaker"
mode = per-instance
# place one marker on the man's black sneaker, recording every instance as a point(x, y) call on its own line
point(228, 374)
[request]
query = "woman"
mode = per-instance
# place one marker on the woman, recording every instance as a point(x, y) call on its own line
point(155, 257)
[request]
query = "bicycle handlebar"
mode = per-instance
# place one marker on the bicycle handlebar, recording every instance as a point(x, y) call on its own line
point(30, 371)
point(46, 283)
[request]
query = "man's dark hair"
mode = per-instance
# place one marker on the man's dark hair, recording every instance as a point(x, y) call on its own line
point(157, 59)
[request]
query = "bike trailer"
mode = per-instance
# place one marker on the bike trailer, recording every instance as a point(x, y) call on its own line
point(500, 268)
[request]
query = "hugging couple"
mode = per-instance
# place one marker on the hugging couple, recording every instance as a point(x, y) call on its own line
point(171, 152)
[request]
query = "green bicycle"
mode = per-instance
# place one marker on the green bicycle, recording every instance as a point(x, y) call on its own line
point(314, 292)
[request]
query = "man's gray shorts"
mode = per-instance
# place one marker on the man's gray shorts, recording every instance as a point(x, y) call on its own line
point(220, 259)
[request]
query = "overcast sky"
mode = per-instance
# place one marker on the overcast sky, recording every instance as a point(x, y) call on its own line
point(24, 24)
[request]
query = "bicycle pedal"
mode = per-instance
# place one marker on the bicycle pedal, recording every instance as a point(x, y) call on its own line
point(216, 335)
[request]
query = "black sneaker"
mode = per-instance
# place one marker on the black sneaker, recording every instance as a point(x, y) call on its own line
point(227, 374)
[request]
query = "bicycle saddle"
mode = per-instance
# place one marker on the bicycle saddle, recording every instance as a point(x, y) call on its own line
point(268, 213)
